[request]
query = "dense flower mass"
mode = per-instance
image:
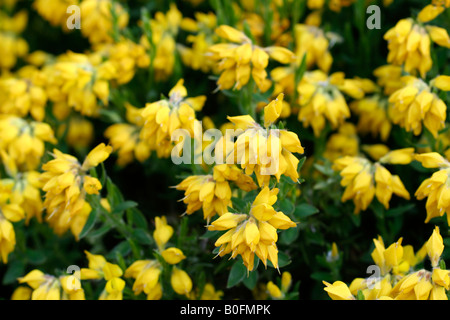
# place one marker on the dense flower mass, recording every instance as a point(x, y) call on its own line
point(401, 277)
point(224, 149)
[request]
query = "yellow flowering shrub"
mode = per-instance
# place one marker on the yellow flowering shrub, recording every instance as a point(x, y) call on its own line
point(224, 149)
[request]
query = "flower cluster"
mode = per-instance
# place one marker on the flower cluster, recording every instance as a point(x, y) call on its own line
point(400, 276)
point(143, 140)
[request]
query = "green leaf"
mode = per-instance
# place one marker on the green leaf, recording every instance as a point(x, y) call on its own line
point(289, 236)
point(238, 273)
point(211, 234)
point(400, 210)
point(142, 236)
point(287, 206)
point(321, 276)
point(124, 206)
point(123, 248)
point(114, 195)
point(251, 281)
point(304, 210)
point(238, 204)
point(360, 295)
point(16, 269)
point(89, 223)
point(283, 260)
point(325, 170)
point(100, 231)
point(36, 256)
point(139, 219)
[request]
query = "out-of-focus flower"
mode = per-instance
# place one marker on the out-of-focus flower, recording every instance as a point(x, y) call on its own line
point(162, 118)
point(23, 94)
point(321, 98)
point(416, 105)
point(23, 142)
point(78, 81)
point(97, 20)
point(409, 45)
point(162, 42)
point(125, 138)
point(242, 60)
point(202, 37)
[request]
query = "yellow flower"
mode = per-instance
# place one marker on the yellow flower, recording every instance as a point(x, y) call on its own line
point(397, 278)
point(435, 247)
point(241, 60)
point(162, 118)
point(55, 12)
point(180, 281)
point(113, 290)
point(210, 293)
point(21, 293)
point(23, 93)
point(173, 255)
point(162, 44)
point(97, 20)
point(65, 183)
point(7, 238)
point(316, 44)
point(47, 287)
point(429, 12)
point(344, 142)
point(212, 193)
point(78, 81)
point(435, 188)
point(338, 291)
point(321, 99)
point(99, 268)
point(125, 137)
point(23, 142)
point(146, 274)
point(373, 116)
point(163, 232)
point(389, 78)
point(363, 180)
point(71, 288)
point(274, 291)
point(125, 56)
point(441, 82)
point(96, 156)
point(415, 105)
point(277, 292)
point(409, 44)
point(372, 288)
point(432, 160)
point(399, 156)
point(266, 152)
point(80, 132)
point(203, 26)
point(334, 5)
point(254, 232)
point(23, 190)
